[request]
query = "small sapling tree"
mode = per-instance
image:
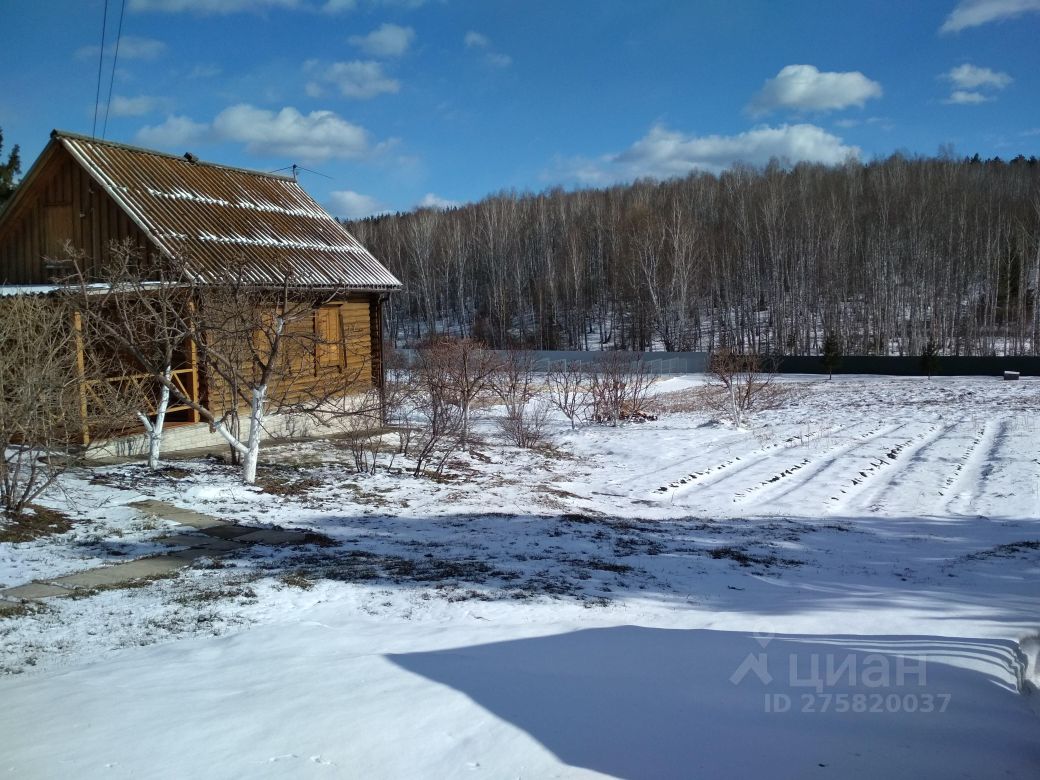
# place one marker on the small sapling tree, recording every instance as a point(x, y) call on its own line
point(832, 354)
point(930, 358)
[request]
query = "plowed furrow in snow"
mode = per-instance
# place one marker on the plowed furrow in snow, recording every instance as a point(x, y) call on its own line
point(820, 479)
point(979, 465)
point(910, 482)
point(749, 468)
point(1007, 481)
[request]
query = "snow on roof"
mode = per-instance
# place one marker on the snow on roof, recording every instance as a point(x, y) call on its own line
point(11, 290)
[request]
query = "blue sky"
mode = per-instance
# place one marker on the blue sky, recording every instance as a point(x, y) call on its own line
point(409, 102)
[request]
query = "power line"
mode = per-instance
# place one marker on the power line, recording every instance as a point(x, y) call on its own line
point(101, 57)
point(115, 61)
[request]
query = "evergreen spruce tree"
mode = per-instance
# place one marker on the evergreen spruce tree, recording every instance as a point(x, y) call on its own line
point(930, 358)
point(832, 353)
point(9, 171)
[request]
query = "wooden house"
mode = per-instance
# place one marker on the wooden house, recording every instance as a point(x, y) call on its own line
point(89, 193)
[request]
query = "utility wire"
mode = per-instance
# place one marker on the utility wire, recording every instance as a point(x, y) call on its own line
point(115, 61)
point(101, 57)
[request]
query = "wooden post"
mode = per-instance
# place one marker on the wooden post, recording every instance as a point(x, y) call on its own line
point(81, 370)
point(193, 362)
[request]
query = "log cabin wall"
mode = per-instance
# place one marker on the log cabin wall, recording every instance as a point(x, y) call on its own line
point(341, 349)
point(62, 203)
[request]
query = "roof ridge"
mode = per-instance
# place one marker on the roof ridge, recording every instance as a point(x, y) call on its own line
point(59, 134)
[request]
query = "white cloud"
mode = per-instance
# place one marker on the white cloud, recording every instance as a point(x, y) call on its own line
point(207, 71)
point(974, 85)
point(348, 204)
point(804, 88)
point(433, 201)
point(664, 153)
point(205, 7)
point(962, 97)
point(387, 40)
point(135, 106)
point(131, 47)
point(972, 77)
point(360, 79)
point(496, 59)
point(338, 6)
point(211, 6)
point(317, 136)
point(974, 13)
point(175, 131)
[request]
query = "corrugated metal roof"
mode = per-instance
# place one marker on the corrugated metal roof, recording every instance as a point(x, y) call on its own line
point(214, 216)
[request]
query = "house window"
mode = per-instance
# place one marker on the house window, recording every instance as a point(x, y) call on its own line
point(328, 337)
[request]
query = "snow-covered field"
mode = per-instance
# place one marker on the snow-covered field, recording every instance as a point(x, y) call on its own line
point(849, 588)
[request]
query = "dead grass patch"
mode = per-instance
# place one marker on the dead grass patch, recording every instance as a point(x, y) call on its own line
point(42, 522)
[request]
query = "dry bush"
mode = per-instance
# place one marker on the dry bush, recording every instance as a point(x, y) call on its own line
point(400, 388)
point(437, 406)
point(741, 385)
point(396, 399)
point(53, 396)
point(620, 388)
point(526, 418)
point(570, 392)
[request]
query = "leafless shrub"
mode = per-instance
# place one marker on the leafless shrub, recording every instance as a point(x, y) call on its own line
point(469, 367)
point(621, 388)
point(400, 388)
point(742, 384)
point(569, 390)
point(53, 396)
point(527, 428)
point(526, 418)
point(437, 405)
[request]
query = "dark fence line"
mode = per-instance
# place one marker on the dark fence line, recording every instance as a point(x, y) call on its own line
point(656, 362)
point(697, 363)
point(911, 366)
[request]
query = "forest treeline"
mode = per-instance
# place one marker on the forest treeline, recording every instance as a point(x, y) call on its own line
point(887, 256)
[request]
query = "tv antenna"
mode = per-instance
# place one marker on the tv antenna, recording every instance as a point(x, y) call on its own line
point(296, 168)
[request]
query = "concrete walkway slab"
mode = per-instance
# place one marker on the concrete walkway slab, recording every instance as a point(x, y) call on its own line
point(142, 568)
point(201, 542)
point(227, 531)
point(34, 590)
point(273, 537)
point(208, 537)
point(178, 514)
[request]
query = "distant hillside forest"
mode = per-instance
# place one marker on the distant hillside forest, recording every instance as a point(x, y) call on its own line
point(888, 255)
